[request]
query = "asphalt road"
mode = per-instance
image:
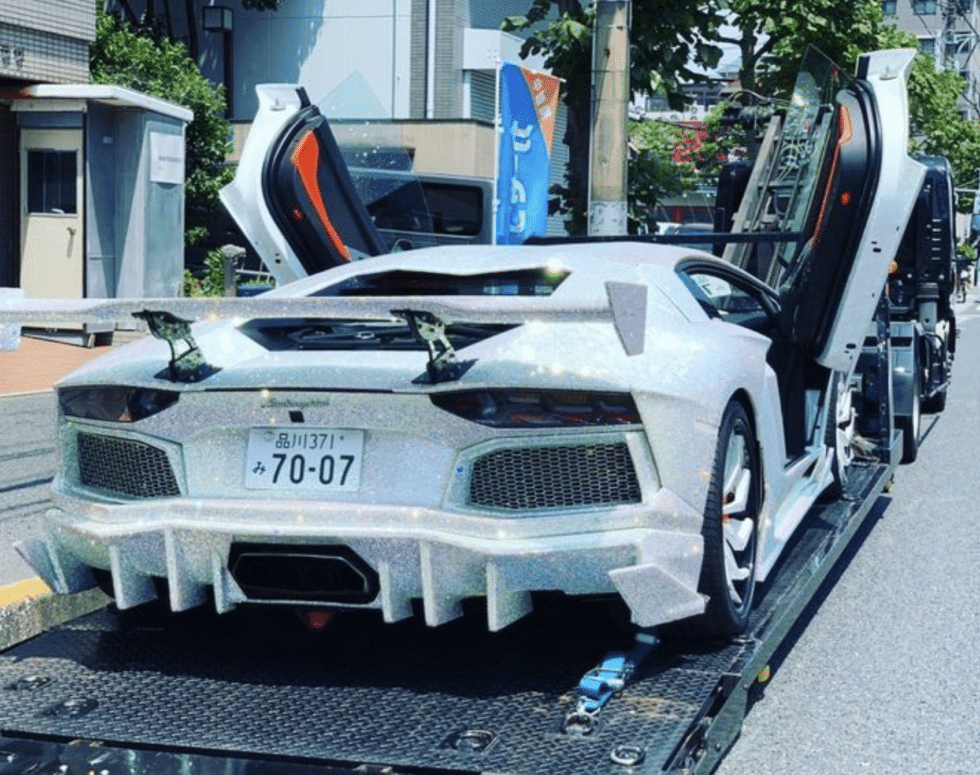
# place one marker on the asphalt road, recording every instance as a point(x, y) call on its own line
point(27, 463)
point(882, 675)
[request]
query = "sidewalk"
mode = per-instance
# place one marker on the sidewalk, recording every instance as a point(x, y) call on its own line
point(38, 364)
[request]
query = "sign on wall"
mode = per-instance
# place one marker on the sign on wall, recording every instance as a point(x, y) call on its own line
point(166, 158)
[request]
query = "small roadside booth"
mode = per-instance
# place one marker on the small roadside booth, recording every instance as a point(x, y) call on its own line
point(101, 193)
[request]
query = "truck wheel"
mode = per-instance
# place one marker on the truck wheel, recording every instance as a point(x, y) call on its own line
point(935, 403)
point(909, 425)
point(730, 530)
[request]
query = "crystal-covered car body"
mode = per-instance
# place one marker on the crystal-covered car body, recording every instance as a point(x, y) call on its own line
point(426, 427)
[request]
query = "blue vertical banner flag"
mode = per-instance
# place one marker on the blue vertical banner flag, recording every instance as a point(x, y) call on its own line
point(528, 103)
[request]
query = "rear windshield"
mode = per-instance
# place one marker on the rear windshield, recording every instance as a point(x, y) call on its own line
point(526, 282)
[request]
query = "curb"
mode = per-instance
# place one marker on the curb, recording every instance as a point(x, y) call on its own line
point(23, 393)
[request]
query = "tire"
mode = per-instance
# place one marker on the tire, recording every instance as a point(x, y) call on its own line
point(909, 425)
point(730, 531)
point(935, 403)
point(839, 436)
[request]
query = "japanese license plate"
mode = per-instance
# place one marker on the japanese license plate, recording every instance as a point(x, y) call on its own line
point(307, 459)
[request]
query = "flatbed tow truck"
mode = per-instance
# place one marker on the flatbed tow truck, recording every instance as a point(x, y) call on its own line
point(148, 691)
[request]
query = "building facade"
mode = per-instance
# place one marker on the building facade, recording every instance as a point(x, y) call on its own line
point(422, 71)
point(40, 42)
point(427, 67)
point(87, 171)
point(948, 30)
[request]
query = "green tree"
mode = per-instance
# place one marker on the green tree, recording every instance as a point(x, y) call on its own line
point(653, 174)
point(161, 68)
point(939, 128)
point(773, 35)
point(843, 32)
point(667, 40)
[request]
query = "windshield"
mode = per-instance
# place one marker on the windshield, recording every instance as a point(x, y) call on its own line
point(279, 334)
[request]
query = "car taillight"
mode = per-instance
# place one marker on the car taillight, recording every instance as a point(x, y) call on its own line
point(114, 403)
point(516, 408)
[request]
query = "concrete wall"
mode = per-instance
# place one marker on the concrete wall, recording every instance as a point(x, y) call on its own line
point(135, 226)
point(320, 44)
point(9, 200)
point(46, 42)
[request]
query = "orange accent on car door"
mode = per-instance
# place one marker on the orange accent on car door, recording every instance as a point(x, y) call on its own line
point(306, 160)
point(845, 132)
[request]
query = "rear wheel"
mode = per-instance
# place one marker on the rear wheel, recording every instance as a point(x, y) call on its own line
point(840, 433)
point(730, 529)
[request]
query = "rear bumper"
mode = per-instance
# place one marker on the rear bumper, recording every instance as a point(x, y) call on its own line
point(412, 551)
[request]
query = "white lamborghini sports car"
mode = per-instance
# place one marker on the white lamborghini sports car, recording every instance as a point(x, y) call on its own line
point(412, 430)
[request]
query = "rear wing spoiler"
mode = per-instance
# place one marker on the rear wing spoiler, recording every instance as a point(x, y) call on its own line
point(170, 319)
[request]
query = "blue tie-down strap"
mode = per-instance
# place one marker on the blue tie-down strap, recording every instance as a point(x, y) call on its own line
point(602, 682)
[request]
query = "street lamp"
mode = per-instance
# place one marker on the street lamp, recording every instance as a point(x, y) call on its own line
point(218, 18)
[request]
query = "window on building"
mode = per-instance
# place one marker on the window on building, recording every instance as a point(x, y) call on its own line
point(889, 7)
point(927, 45)
point(51, 182)
point(925, 7)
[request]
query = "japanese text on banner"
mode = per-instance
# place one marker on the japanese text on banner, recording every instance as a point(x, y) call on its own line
point(528, 103)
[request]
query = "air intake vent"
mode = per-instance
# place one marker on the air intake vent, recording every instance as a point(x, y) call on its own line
point(125, 467)
point(532, 478)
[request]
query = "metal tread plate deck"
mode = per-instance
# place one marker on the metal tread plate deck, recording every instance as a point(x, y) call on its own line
point(365, 692)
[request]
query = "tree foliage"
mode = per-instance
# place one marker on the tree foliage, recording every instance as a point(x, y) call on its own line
point(667, 41)
point(843, 32)
point(654, 175)
point(153, 64)
point(773, 35)
point(938, 128)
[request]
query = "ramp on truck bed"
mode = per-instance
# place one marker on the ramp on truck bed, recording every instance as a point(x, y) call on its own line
point(195, 693)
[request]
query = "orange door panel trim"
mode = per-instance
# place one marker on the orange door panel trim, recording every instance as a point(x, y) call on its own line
point(306, 160)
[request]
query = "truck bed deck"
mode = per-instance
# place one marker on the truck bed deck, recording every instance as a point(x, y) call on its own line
point(257, 688)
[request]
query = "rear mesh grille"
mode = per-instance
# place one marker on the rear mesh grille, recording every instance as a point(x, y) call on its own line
point(125, 467)
point(555, 477)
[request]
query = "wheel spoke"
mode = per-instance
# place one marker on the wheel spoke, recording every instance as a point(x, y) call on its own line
point(738, 523)
point(738, 532)
point(734, 463)
point(735, 573)
point(736, 498)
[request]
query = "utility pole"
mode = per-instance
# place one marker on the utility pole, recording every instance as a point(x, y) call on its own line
point(608, 154)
